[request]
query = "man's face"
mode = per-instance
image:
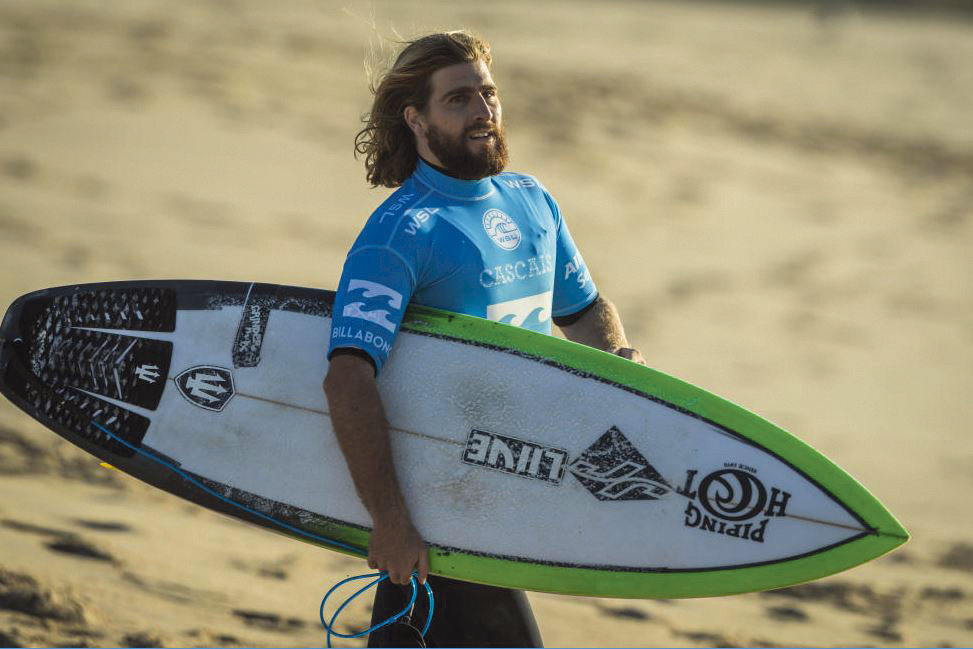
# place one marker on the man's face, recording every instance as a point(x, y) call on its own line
point(463, 125)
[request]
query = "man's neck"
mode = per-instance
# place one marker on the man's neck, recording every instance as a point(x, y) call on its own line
point(442, 170)
point(436, 177)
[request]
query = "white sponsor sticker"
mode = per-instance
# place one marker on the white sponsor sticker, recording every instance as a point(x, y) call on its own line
point(517, 312)
point(372, 310)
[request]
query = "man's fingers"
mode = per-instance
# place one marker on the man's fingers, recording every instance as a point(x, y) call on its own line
point(399, 577)
point(633, 355)
point(423, 566)
point(398, 550)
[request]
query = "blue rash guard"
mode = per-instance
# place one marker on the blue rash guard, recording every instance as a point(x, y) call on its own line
point(495, 248)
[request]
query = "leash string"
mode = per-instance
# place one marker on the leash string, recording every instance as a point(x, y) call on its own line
point(329, 627)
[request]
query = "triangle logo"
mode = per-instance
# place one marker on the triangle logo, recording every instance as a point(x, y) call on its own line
point(613, 469)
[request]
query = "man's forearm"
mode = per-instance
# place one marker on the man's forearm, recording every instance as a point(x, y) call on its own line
point(600, 327)
point(362, 432)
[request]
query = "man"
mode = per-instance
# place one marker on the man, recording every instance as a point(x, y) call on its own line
point(459, 235)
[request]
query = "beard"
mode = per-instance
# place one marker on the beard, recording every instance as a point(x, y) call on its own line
point(459, 160)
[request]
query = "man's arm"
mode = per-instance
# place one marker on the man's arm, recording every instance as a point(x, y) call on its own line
point(600, 327)
point(362, 431)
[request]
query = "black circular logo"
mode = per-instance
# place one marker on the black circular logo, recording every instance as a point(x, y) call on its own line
point(732, 494)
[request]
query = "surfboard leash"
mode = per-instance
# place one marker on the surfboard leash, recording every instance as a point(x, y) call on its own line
point(212, 492)
point(377, 577)
point(329, 627)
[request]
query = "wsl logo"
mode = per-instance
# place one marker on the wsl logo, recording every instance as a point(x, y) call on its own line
point(502, 229)
point(206, 386)
point(377, 296)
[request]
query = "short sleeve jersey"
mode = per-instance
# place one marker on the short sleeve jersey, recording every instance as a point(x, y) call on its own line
point(495, 248)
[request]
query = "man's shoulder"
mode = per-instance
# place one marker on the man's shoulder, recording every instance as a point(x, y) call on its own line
point(403, 222)
point(396, 203)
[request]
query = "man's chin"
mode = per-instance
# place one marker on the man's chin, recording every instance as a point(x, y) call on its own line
point(476, 160)
point(486, 144)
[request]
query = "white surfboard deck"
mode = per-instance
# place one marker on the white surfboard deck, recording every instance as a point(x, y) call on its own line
point(526, 461)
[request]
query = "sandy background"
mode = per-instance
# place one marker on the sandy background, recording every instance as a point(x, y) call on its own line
point(778, 197)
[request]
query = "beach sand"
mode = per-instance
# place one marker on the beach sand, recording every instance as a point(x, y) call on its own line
point(778, 197)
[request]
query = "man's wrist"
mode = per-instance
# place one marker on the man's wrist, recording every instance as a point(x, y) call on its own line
point(392, 513)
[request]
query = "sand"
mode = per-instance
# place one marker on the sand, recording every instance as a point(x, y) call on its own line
point(779, 198)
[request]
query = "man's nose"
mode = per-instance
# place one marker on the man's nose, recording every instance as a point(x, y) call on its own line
point(482, 109)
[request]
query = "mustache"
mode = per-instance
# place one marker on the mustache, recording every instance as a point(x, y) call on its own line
point(491, 129)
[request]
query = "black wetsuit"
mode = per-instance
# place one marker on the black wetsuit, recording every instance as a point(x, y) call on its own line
point(465, 615)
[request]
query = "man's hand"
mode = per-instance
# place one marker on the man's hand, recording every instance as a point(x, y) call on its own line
point(633, 355)
point(397, 548)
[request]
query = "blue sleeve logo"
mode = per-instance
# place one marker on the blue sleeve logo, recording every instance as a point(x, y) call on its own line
point(377, 296)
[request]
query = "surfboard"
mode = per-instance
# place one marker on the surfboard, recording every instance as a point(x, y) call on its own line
point(528, 461)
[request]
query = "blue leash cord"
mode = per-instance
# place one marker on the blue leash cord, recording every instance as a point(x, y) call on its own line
point(188, 478)
point(378, 578)
point(338, 544)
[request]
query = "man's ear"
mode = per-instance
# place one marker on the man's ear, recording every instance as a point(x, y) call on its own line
point(414, 120)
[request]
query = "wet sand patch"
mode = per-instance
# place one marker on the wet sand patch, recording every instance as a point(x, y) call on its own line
point(269, 621)
point(958, 557)
point(22, 593)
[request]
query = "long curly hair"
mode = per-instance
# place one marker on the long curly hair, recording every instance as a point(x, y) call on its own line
point(386, 141)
